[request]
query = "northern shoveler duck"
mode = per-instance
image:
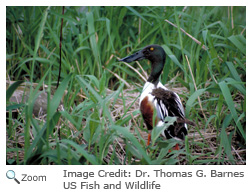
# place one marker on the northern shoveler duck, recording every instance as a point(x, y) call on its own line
point(156, 96)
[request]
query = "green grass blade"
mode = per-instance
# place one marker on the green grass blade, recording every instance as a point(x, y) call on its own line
point(137, 14)
point(173, 57)
point(126, 133)
point(226, 93)
point(192, 98)
point(38, 39)
point(69, 117)
point(226, 145)
point(91, 158)
point(109, 34)
point(237, 41)
point(36, 140)
point(238, 85)
point(233, 71)
point(12, 88)
point(58, 95)
point(95, 50)
point(85, 85)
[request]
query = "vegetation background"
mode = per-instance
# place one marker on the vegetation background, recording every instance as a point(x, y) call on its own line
point(93, 116)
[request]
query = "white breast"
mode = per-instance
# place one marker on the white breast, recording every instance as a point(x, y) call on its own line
point(147, 89)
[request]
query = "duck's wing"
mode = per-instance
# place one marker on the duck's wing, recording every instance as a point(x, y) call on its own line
point(168, 103)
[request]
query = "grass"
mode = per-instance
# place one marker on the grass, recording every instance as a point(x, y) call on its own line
point(93, 117)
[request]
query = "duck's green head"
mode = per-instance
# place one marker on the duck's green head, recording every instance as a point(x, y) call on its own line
point(155, 54)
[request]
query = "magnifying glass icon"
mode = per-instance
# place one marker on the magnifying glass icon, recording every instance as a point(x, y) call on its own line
point(10, 174)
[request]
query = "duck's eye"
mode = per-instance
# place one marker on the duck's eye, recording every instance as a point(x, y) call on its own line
point(151, 48)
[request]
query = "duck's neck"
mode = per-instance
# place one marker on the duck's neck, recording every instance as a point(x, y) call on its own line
point(156, 70)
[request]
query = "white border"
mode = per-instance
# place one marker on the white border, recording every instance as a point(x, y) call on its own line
point(129, 2)
point(55, 173)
